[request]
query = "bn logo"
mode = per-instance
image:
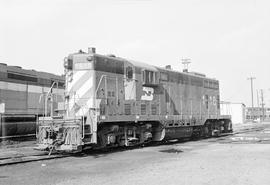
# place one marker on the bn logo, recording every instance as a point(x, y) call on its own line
point(148, 93)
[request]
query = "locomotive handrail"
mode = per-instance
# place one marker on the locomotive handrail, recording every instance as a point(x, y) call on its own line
point(41, 95)
point(99, 85)
point(49, 92)
point(83, 129)
point(82, 107)
point(45, 106)
point(37, 126)
point(37, 121)
point(95, 95)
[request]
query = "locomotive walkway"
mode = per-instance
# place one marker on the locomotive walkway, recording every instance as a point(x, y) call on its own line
point(23, 152)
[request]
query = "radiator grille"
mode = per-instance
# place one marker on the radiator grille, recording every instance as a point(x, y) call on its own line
point(153, 109)
point(143, 109)
point(127, 109)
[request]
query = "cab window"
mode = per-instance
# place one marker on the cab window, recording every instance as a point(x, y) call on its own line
point(129, 72)
point(148, 77)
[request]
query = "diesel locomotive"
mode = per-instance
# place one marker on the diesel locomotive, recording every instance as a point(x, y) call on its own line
point(22, 99)
point(112, 101)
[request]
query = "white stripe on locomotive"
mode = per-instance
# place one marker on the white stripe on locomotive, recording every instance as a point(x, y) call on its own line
point(82, 93)
point(76, 77)
point(79, 83)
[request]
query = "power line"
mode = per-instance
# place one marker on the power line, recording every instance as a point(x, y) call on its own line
point(258, 100)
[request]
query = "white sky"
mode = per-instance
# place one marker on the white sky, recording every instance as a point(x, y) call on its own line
point(226, 39)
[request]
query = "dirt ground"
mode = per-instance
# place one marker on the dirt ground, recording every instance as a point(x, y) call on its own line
point(242, 159)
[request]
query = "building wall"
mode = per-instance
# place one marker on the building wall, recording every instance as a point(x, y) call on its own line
point(258, 113)
point(235, 110)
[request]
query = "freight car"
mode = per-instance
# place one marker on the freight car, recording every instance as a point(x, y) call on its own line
point(111, 101)
point(23, 98)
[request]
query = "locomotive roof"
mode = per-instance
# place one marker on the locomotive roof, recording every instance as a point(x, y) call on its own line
point(133, 62)
point(195, 74)
point(146, 66)
point(18, 69)
point(143, 65)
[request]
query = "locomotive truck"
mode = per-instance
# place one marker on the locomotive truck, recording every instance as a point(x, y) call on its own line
point(112, 101)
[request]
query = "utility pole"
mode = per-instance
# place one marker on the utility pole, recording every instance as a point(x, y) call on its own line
point(185, 62)
point(262, 104)
point(258, 101)
point(252, 105)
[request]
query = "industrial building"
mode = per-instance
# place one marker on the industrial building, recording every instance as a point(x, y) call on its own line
point(236, 110)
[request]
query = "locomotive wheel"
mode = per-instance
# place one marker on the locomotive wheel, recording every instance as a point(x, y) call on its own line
point(206, 131)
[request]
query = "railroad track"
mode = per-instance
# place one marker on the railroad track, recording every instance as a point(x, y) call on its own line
point(30, 158)
point(252, 129)
point(44, 156)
